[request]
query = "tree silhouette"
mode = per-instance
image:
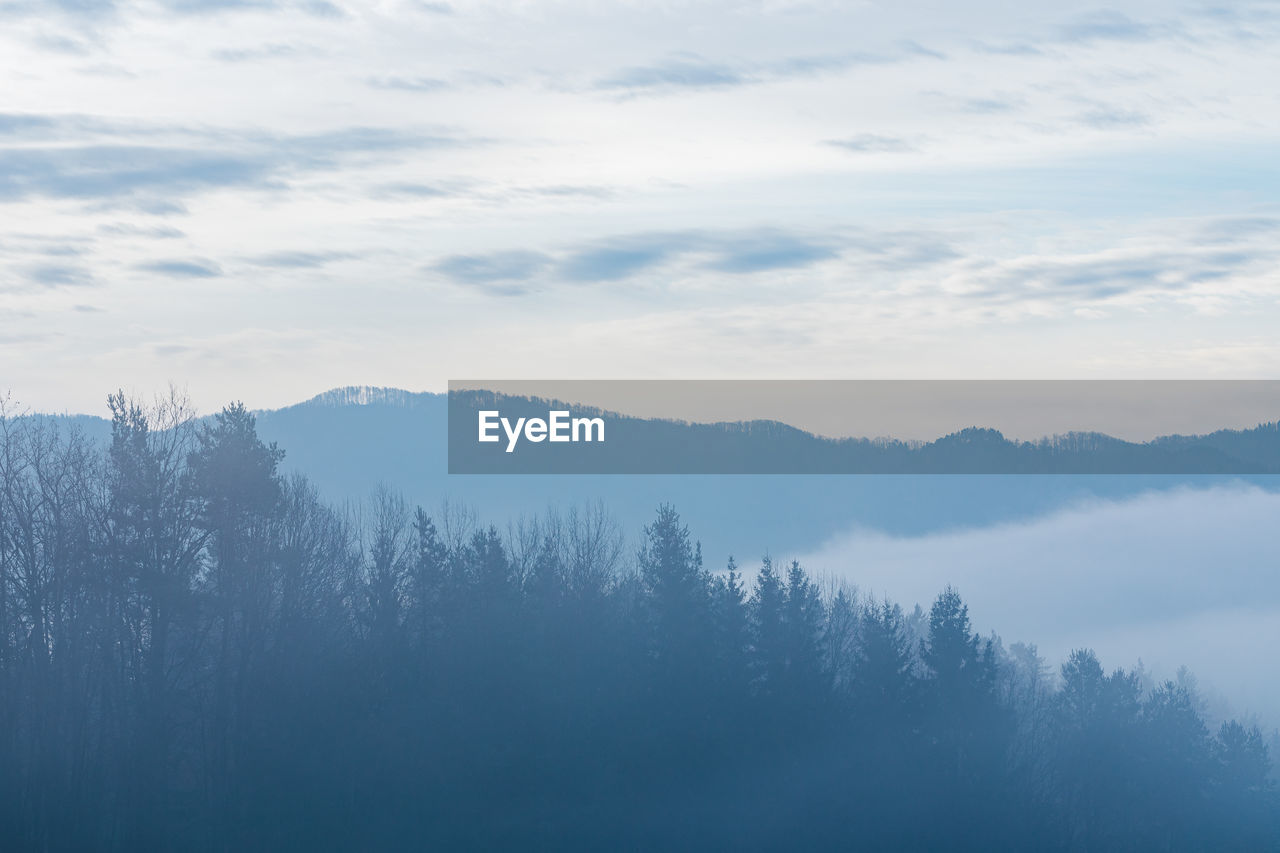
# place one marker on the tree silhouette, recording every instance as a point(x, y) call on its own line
point(198, 653)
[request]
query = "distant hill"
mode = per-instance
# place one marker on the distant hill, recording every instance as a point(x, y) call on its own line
point(647, 446)
point(349, 440)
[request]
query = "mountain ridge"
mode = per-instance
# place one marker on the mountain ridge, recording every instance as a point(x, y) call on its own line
point(766, 446)
point(349, 450)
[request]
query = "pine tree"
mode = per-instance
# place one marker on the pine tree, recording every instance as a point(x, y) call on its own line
point(676, 588)
point(235, 481)
point(430, 586)
point(884, 678)
point(768, 634)
point(803, 618)
point(729, 608)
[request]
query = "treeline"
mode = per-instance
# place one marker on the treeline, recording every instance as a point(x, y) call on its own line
point(198, 653)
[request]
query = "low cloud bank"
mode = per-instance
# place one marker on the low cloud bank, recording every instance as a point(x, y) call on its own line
point(1187, 577)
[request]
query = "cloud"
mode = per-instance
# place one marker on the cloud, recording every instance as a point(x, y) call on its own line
point(684, 71)
point(829, 63)
point(1102, 27)
point(1233, 229)
point(183, 268)
point(96, 172)
point(742, 252)
point(489, 193)
point(910, 48)
point(900, 251)
point(98, 10)
point(111, 10)
point(503, 272)
point(1013, 48)
point(209, 7)
point(324, 149)
point(58, 275)
point(872, 142)
point(1106, 118)
point(275, 50)
point(29, 127)
point(300, 259)
point(988, 106)
point(1112, 273)
point(1173, 577)
point(618, 259)
point(769, 251)
point(84, 9)
point(124, 229)
point(1105, 25)
point(159, 174)
point(64, 44)
point(980, 105)
point(565, 191)
point(410, 84)
point(626, 256)
point(143, 204)
point(1242, 23)
point(414, 190)
point(19, 124)
point(322, 9)
point(676, 73)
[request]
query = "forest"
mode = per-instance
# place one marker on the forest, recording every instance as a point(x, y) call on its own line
point(199, 653)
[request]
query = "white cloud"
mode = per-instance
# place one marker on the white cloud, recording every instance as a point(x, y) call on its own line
point(1185, 577)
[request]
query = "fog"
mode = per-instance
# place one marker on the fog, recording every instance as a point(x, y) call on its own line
point(1186, 577)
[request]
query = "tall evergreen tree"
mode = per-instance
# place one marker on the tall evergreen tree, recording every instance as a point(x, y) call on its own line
point(235, 480)
point(768, 629)
point(676, 588)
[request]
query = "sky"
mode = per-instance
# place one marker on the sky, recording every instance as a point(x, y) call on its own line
point(260, 200)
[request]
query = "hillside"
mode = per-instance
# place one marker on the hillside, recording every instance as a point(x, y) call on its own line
point(349, 440)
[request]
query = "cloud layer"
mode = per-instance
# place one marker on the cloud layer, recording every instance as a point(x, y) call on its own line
point(1169, 578)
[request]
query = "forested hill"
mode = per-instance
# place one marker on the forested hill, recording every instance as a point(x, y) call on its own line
point(648, 446)
point(349, 440)
point(416, 425)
